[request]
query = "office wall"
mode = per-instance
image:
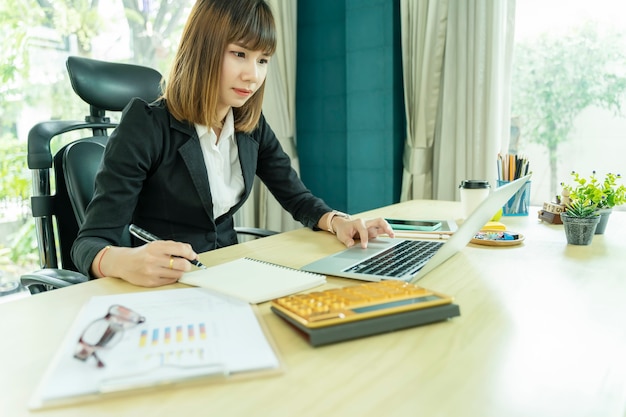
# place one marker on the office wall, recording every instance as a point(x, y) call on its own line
point(349, 101)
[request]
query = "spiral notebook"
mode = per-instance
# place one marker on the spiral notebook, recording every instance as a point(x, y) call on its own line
point(253, 280)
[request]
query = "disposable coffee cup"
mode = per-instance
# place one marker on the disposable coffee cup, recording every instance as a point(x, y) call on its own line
point(473, 192)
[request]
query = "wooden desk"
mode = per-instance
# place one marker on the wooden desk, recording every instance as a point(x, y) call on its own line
point(542, 332)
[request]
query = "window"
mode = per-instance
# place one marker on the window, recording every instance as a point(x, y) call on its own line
point(569, 82)
point(37, 37)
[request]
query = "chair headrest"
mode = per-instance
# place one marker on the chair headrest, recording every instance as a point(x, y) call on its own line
point(109, 85)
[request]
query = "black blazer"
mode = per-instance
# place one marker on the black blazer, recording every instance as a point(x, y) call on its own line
point(153, 174)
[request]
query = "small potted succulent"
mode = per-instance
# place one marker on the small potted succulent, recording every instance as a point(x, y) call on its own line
point(603, 195)
point(580, 220)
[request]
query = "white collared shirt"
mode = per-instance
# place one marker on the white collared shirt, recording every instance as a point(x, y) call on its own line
point(221, 158)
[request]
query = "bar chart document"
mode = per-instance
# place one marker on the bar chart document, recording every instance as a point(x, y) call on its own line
point(188, 334)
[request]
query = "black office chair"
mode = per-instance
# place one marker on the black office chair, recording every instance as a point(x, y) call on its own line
point(105, 86)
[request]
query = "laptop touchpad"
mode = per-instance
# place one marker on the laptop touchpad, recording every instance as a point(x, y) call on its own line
point(356, 252)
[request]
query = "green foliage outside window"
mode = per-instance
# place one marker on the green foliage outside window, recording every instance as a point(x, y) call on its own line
point(557, 76)
point(16, 182)
point(15, 191)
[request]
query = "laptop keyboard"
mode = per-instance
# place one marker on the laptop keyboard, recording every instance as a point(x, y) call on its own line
point(406, 258)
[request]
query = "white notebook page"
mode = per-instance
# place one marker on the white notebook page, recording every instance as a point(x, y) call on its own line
point(252, 280)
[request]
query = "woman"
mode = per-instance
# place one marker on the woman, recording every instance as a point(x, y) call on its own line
point(182, 166)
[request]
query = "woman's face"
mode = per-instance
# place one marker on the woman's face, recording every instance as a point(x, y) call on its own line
point(243, 73)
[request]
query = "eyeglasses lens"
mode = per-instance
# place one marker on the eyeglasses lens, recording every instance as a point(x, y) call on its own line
point(106, 332)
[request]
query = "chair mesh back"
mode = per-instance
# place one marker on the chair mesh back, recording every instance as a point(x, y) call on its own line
point(81, 161)
point(66, 186)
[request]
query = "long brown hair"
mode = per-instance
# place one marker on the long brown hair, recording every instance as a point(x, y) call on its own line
point(191, 90)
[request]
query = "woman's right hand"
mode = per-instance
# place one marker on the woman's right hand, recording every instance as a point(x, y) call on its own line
point(151, 265)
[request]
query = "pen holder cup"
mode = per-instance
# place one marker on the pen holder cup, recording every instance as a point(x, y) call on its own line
point(518, 204)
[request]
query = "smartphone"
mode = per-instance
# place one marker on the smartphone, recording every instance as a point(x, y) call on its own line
point(421, 225)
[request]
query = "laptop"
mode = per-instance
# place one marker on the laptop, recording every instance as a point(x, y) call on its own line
point(418, 257)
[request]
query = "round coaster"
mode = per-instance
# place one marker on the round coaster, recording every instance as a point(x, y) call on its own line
point(497, 238)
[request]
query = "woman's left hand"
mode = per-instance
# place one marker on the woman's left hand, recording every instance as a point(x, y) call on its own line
point(348, 230)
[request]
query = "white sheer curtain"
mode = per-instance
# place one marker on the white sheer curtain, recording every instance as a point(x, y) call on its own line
point(261, 209)
point(458, 110)
point(474, 122)
point(423, 41)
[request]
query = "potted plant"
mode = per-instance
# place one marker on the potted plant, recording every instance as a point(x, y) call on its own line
point(580, 220)
point(604, 195)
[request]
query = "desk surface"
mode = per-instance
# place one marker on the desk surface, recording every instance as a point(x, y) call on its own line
point(542, 332)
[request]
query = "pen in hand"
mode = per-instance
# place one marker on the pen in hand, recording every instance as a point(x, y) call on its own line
point(148, 237)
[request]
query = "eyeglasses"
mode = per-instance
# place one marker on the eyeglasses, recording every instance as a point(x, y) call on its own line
point(105, 332)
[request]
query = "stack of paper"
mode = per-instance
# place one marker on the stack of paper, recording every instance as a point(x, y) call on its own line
point(188, 334)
